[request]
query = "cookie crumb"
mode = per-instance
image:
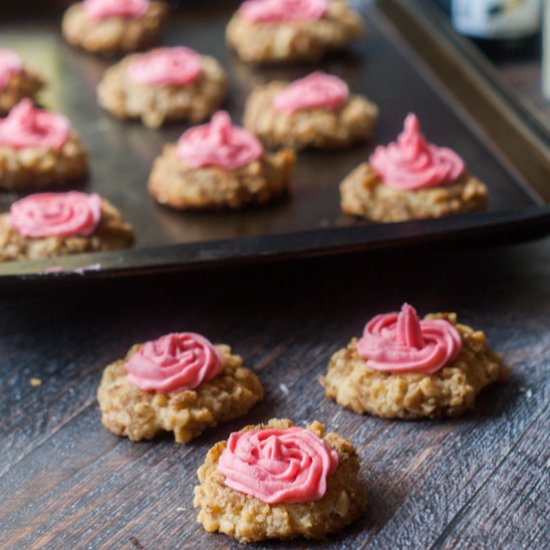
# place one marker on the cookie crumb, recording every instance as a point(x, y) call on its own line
point(35, 382)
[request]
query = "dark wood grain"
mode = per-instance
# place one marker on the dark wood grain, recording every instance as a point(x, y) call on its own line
point(512, 499)
point(476, 482)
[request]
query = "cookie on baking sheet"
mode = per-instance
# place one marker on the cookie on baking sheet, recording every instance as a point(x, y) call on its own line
point(412, 179)
point(16, 80)
point(218, 165)
point(278, 481)
point(38, 149)
point(315, 111)
point(404, 367)
point(162, 85)
point(113, 26)
point(178, 383)
point(264, 31)
point(49, 225)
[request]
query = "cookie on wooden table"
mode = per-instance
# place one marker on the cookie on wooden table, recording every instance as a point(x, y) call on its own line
point(178, 383)
point(279, 481)
point(264, 31)
point(404, 367)
point(162, 85)
point(218, 165)
point(16, 80)
point(38, 149)
point(412, 179)
point(49, 225)
point(113, 26)
point(315, 111)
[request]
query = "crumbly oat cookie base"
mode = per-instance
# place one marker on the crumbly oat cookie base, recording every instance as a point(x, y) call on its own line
point(27, 83)
point(126, 410)
point(249, 519)
point(321, 128)
point(310, 40)
point(174, 183)
point(39, 167)
point(156, 105)
point(114, 34)
point(364, 194)
point(112, 233)
point(449, 392)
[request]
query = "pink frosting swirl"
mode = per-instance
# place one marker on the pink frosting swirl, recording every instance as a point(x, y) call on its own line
point(56, 214)
point(165, 66)
point(281, 11)
point(401, 342)
point(412, 163)
point(10, 64)
point(218, 144)
point(316, 91)
point(103, 9)
point(173, 363)
point(26, 126)
point(274, 466)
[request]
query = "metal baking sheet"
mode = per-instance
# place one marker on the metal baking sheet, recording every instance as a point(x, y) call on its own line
point(391, 66)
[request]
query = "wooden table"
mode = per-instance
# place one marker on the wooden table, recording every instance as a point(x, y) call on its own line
point(476, 482)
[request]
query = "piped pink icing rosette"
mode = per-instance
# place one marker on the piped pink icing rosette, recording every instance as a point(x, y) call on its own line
point(401, 342)
point(103, 9)
point(316, 91)
point(10, 64)
point(173, 363)
point(56, 214)
point(166, 66)
point(218, 144)
point(27, 126)
point(275, 466)
point(283, 11)
point(413, 163)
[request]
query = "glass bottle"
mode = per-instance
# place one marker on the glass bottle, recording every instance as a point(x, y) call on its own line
point(499, 26)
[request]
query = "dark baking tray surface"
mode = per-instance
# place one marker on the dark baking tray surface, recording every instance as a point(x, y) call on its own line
point(409, 62)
